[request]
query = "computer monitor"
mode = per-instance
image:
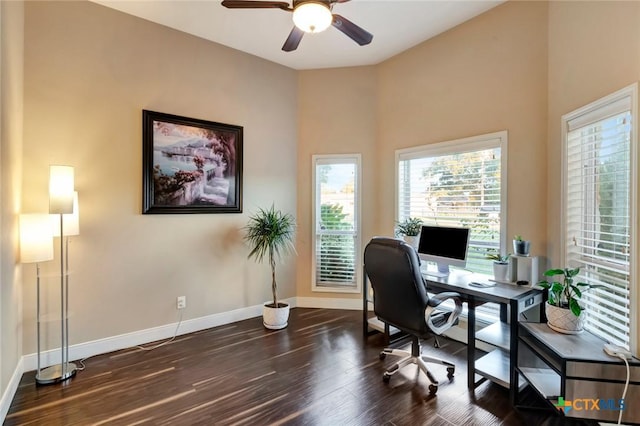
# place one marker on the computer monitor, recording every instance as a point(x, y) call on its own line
point(447, 246)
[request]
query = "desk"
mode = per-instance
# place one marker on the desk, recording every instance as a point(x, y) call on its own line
point(518, 298)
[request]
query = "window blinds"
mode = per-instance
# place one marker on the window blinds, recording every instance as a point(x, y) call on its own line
point(336, 238)
point(597, 214)
point(461, 189)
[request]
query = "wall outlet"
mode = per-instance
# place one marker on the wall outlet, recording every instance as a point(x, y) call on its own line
point(181, 302)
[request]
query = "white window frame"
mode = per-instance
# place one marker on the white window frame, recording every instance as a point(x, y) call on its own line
point(315, 197)
point(599, 108)
point(457, 146)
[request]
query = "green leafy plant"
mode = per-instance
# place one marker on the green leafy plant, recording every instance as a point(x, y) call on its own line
point(494, 254)
point(410, 227)
point(270, 233)
point(566, 294)
point(518, 238)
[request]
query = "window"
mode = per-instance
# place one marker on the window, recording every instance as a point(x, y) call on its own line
point(600, 175)
point(336, 215)
point(459, 183)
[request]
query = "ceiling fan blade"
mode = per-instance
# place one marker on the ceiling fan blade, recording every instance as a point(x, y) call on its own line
point(255, 4)
point(292, 42)
point(351, 30)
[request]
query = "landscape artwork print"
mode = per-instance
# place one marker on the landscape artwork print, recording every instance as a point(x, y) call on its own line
point(190, 165)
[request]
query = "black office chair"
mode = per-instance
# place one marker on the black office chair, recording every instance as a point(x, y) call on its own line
point(400, 299)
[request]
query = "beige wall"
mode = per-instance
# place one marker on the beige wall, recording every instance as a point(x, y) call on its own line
point(336, 115)
point(594, 50)
point(11, 101)
point(89, 73)
point(486, 75)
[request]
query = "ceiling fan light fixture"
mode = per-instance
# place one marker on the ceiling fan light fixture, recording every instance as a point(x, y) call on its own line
point(312, 17)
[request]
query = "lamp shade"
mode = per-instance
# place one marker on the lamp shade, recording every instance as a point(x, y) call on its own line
point(312, 17)
point(61, 187)
point(70, 221)
point(36, 238)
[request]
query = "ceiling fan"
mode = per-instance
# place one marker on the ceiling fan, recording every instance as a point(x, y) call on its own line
point(311, 16)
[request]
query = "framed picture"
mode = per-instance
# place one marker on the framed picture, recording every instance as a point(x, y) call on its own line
point(190, 165)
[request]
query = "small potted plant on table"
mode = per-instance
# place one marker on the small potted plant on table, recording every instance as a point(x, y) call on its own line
point(564, 312)
point(410, 229)
point(271, 233)
point(521, 246)
point(500, 265)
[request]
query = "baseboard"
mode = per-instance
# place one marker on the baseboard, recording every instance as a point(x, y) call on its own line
point(10, 391)
point(329, 303)
point(141, 337)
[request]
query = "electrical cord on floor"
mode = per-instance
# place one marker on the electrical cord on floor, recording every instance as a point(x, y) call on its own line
point(626, 385)
point(81, 363)
point(82, 366)
point(150, 348)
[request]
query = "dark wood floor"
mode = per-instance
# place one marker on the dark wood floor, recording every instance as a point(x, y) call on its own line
point(318, 371)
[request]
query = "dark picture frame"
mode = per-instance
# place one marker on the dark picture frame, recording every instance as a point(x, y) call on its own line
point(190, 165)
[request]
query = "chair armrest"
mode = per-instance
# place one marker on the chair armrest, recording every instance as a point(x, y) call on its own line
point(452, 317)
point(438, 298)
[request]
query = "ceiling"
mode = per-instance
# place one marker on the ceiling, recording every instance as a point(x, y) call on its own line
point(396, 26)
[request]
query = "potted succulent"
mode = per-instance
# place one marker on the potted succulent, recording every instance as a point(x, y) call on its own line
point(563, 309)
point(500, 264)
point(410, 229)
point(270, 233)
point(521, 247)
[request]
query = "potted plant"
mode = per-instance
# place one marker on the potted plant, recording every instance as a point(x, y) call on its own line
point(410, 229)
point(563, 309)
point(270, 233)
point(500, 264)
point(521, 247)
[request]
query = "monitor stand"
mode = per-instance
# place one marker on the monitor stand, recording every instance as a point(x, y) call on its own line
point(443, 271)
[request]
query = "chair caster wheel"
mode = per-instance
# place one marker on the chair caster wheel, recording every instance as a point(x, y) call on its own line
point(382, 355)
point(433, 389)
point(450, 372)
point(386, 377)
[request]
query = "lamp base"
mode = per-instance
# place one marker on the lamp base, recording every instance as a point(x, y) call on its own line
point(56, 373)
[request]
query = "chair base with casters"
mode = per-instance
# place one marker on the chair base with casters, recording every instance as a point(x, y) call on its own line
point(415, 357)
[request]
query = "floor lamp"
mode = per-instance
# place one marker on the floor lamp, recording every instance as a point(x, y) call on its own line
point(71, 226)
point(36, 245)
point(61, 196)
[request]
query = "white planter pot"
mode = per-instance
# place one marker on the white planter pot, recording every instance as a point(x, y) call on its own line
point(275, 318)
point(412, 240)
point(562, 320)
point(501, 271)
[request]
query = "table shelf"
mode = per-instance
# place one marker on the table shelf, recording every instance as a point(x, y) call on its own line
point(545, 381)
point(495, 367)
point(496, 334)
